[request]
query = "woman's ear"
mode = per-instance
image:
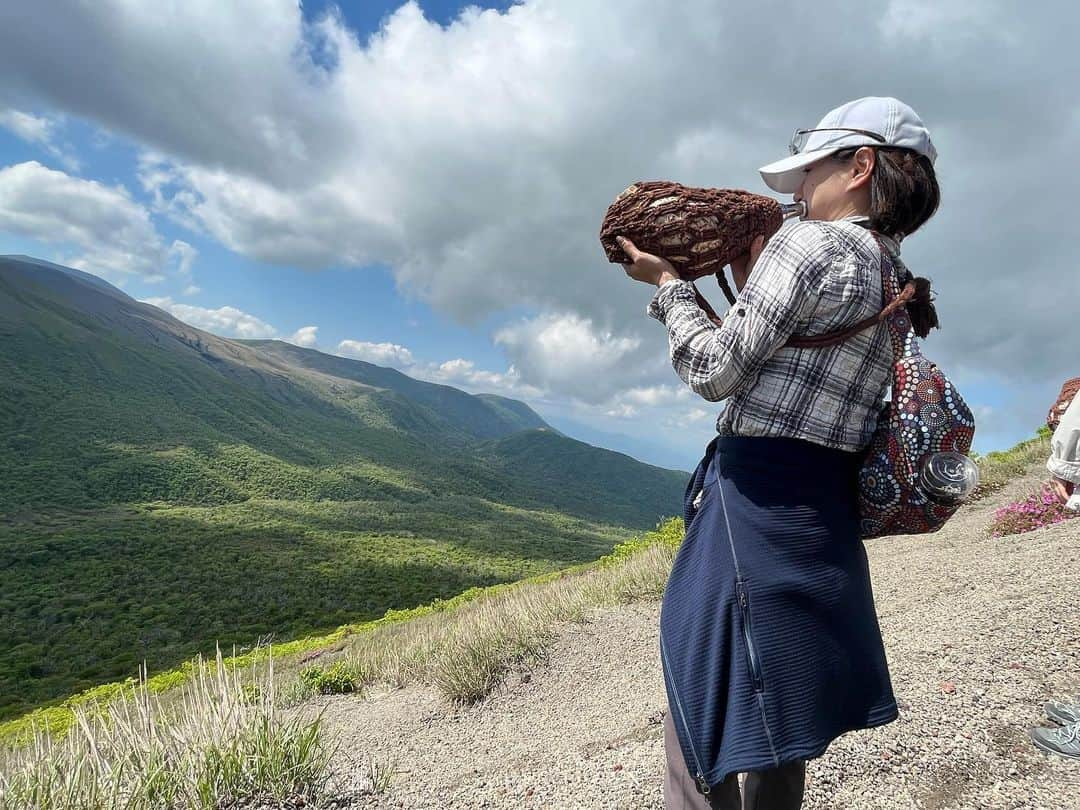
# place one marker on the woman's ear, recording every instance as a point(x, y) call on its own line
point(862, 168)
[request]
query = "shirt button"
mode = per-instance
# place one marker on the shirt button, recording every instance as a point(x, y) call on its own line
point(740, 311)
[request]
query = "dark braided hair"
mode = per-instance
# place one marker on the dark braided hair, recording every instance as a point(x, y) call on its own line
point(921, 308)
point(904, 194)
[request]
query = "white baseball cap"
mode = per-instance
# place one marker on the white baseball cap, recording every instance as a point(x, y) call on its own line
point(870, 121)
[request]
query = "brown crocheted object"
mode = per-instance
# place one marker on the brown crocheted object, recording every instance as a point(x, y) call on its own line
point(698, 230)
point(1069, 391)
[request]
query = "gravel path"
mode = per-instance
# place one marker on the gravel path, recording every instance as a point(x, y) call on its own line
point(979, 633)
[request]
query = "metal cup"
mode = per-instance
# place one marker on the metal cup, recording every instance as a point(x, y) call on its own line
point(948, 478)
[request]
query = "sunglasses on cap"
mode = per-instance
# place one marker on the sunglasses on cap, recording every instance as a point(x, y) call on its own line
point(801, 136)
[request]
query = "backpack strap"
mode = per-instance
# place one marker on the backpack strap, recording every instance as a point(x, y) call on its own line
point(840, 335)
point(710, 313)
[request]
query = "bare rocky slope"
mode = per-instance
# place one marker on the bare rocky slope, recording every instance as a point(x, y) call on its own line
point(979, 633)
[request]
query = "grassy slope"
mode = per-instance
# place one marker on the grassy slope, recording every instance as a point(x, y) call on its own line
point(628, 571)
point(162, 489)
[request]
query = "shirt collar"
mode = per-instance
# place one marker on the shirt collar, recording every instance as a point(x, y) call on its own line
point(861, 219)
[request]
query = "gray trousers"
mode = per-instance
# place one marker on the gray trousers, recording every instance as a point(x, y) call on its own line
point(775, 789)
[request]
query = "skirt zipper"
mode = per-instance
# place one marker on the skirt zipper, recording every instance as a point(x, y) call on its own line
point(744, 606)
point(699, 775)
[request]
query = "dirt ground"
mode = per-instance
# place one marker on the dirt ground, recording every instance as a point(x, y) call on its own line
point(979, 633)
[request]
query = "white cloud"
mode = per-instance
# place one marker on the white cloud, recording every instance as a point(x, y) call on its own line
point(458, 369)
point(476, 159)
point(464, 374)
point(699, 415)
point(224, 321)
point(658, 396)
point(32, 128)
point(568, 355)
point(184, 255)
point(669, 403)
point(622, 410)
point(381, 354)
point(369, 160)
point(943, 25)
point(111, 233)
point(38, 130)
point(192, 289)
point(305, 336)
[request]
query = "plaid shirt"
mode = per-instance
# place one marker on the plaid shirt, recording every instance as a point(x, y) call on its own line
point(811, 278)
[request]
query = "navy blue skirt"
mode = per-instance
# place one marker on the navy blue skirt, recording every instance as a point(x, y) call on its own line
point(768, 636)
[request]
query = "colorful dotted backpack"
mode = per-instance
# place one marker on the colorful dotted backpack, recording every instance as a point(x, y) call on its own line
point(926, 416)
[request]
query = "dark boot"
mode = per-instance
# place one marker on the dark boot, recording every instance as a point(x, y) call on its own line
point(775, 789)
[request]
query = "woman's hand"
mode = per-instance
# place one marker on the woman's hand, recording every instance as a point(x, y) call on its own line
point(646, 267)
point(743, 266)
point(1062, 488)
point(654, 270)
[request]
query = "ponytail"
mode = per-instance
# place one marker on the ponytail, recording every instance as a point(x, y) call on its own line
point(904, 194)
point(921, 308)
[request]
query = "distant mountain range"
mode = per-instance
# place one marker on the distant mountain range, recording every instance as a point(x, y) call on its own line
point(163, 487)
point(651, 451)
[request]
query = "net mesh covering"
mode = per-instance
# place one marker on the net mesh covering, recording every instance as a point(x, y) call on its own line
point(698, 230)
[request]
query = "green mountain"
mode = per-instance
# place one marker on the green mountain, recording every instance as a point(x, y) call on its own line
point(162, 488)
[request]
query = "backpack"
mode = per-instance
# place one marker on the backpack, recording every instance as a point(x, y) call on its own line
point(1068, 393)
point(926, 415)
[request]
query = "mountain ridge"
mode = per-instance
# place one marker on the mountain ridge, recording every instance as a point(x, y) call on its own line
point(166, 487)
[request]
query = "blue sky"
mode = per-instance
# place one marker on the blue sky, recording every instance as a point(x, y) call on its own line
point(423, 182)
point(345, 303)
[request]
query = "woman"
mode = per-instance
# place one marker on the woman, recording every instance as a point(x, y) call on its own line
point(769, 640)
point(1064, 465)
point(1064, 461)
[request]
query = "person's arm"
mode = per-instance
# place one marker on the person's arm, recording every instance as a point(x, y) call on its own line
point(1064, 461)
point(717, 361)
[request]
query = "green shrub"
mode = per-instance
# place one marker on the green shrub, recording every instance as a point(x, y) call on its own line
point(996, 469)
point(669, 533)
point(338, 679)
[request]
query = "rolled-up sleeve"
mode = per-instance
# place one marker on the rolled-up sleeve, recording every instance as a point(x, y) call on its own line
point(718, 361)
point(1064, 461)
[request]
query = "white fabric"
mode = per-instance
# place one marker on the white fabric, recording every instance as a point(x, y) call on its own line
point(1064, 461)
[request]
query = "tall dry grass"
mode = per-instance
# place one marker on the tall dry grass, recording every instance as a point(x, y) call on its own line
point(223, 743)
